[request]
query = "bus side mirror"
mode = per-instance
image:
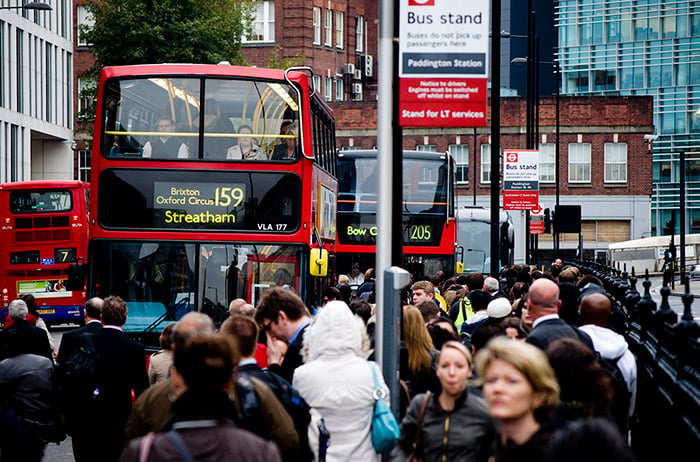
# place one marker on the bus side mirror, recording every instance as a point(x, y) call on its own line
point(460, 268)
point(318, 264)
point(76, 275)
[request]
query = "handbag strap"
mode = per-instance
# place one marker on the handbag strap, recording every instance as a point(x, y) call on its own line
point(145, 446)
point(418, 445)
point(179, 443)
point(378, 392)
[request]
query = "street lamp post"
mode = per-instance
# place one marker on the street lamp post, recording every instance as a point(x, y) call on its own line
point(37, 6)
point(557, 71)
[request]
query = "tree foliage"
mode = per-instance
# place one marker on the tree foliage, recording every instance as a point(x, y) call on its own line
point(175, 31)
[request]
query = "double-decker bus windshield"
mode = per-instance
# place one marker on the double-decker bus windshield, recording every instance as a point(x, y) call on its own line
point(162, 280)
point(200, 118)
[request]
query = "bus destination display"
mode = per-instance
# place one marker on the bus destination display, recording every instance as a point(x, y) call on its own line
point(223, 200)
point(195, 203)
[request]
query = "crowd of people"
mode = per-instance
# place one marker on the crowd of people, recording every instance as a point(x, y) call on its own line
point(531, 366)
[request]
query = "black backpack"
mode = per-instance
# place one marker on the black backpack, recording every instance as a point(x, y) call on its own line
point(75, 379)
point(621, 400)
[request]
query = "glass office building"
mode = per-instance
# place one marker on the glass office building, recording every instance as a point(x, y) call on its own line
point(643, 47)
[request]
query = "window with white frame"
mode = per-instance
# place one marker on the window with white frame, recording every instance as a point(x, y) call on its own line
point(359, 34)
point(328, 26)
point(317, 25)
point(615, 162)
point(87, 91)
point(547, 157)
point(263, 23)
point(580, 163)
point(85, 19)
point(426, 147)
point(460, 153)
point(485, 163)
point(339, 29)
point(317, 83)
point(84, 165)
point(339, 89)
point(328, 89)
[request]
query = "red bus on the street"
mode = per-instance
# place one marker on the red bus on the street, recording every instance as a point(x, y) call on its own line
point(44, 230)
point(211, 183)
point(429, 229)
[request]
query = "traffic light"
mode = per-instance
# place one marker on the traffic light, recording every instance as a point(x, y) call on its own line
point(668, 229)
point(547, 222)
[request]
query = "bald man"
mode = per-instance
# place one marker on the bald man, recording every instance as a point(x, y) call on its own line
point(595, 309)
point(543, 306)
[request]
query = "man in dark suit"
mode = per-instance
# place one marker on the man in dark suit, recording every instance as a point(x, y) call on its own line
point(22, 337)
point(93, 322)
point(543, 305)
point(121, 368)
point(284, 317)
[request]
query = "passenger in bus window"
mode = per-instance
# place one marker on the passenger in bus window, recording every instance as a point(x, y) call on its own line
point(287, 148)
point(215, 145)
point(165, 146)
point(246, 148)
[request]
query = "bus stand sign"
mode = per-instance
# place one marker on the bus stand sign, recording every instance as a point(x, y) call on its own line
point(521, 181)
point(443, 62)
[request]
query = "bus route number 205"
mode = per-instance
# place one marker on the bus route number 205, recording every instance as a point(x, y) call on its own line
point(421, 232)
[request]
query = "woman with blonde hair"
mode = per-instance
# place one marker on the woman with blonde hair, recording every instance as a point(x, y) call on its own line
point(521, 391)
point(418, 354)
point(452, 424)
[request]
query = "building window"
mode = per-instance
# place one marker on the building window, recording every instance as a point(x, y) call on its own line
point(426, 147)
point(485, 163)
point(460, 153)
point(339, 29)
point(547, 166)
point(317, 83)
point(263, 23)
point(615, 162)
point(580, 163)
point(85, 21)
point(83, 165)
point(87, 90)
point(317, 25)
point(359, 34)
point(19, 61)
point(328, 25)
point(339, 89)
point(328, 89)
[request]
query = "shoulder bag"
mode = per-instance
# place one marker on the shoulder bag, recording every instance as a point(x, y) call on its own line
point(417, 451)
point(385, 428)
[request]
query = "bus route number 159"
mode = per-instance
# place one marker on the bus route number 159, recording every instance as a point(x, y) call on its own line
point(225, 196)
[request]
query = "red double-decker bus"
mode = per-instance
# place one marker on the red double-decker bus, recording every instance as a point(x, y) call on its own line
point(429, 229)
point(44, 230)
point(211, 183)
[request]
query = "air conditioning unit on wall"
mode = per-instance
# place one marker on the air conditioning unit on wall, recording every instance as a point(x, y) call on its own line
point(367, 62)
point(349, 68)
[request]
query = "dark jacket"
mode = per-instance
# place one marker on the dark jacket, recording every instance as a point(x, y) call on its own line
point(99, 429)
point(292, 358)
point(553, 329)
point(218, 440)
point(467, 433)
point(533, 450)
point(71, 339)
point(21, 337)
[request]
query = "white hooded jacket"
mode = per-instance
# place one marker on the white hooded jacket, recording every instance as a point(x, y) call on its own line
point(337, 381)
point(610, 345)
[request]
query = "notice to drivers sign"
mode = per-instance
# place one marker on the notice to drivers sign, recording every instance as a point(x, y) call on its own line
point(443, 62)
